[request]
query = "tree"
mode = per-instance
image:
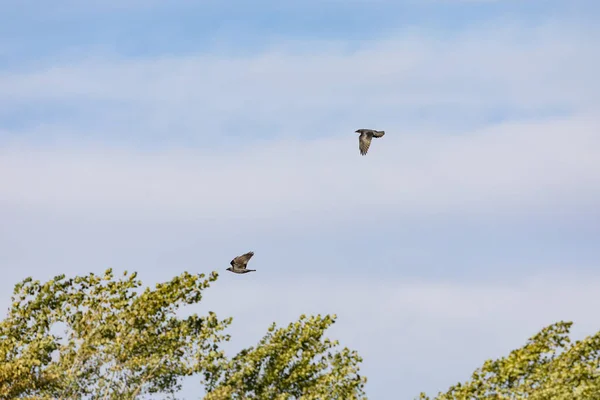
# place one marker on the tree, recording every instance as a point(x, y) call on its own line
point(115, 343)
point(548, 367)
point(96, 337)
point(294, 361)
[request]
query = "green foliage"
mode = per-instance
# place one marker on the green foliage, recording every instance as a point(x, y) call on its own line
point(548, 367)
point(117, 343)
point(96, 337)
point(292, 362)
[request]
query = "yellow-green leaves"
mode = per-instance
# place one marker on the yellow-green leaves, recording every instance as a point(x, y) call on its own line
point(546, 368)
point(95, 335)
point(103, 337)
point(289, 363)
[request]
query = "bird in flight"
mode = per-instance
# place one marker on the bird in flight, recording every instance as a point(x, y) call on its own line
point(364, 140)
point(238, 264)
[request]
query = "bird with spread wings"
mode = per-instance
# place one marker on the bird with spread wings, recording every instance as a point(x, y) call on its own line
point(238, 264)
point(364, 140)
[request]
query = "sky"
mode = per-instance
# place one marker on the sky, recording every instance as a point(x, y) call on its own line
point(164, 137)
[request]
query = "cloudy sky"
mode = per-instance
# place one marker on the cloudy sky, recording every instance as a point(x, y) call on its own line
point(170, 136)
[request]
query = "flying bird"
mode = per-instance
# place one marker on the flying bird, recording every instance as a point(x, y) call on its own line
point(364, 140)
point(238, 264)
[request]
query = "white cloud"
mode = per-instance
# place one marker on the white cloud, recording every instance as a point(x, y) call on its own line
point(296, 87)
point(513, 167)
point(272, 133)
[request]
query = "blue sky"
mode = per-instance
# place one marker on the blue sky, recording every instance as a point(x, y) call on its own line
point(170, 136)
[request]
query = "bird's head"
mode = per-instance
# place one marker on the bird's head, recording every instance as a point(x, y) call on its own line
point(357, 131)
point(230, 269)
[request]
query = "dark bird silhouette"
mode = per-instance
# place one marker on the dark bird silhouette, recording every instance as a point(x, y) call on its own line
point(364, 140)
point(238, 264)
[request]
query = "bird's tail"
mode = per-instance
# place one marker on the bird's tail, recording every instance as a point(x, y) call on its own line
point(251, 270)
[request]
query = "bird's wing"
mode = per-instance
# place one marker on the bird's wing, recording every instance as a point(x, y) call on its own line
point(378, 133)
point(364, 141)
point(241, 261)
